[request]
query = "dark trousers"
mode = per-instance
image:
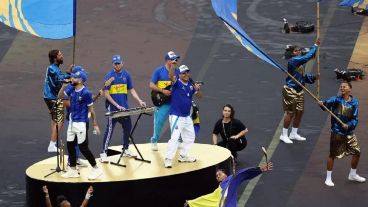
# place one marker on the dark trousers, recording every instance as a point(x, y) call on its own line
point(233, 145)
point(126, 124)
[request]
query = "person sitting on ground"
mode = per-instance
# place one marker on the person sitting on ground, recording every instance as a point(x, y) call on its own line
point(232, 131)
point(226, 193)
point(62, 201)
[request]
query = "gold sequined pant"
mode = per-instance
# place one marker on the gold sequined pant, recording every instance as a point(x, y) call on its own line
point(56, 109)
point(341, 145)
point(292, 100)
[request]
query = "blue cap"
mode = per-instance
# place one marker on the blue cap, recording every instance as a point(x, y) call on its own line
point(81, 74)
point(171, 56)
point(117, 59)
point(77, 68)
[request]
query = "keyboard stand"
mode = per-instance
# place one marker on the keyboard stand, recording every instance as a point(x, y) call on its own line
point(132, 140)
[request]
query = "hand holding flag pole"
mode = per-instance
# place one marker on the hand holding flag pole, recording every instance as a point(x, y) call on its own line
point(227, 11)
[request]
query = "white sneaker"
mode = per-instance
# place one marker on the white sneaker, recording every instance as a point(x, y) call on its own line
point(103, 158)
point(168, 163)
point(297, 137)
point(71, 173)
point(128, 153)
point(95, 173)
point(82, 163)
point(329, 183)
point(186, 159)
point(52, 148)
point(154, 147)
point(357, 178)
point(285, 139)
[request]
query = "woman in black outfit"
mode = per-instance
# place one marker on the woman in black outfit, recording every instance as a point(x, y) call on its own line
point(231, 130)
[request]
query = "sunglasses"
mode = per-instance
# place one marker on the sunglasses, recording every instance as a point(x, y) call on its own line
point(175, 60)
point(185, 72)
point(117, 63)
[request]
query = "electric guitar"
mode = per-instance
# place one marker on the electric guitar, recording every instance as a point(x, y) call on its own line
point(158, 98)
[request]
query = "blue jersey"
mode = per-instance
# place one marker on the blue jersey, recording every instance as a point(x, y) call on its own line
point(347, 111)
point(80, 100)
point(53, 81)
point(296, 69)
point(67, 109)
point(181, 98)
point(160, 76)
point(119, 88)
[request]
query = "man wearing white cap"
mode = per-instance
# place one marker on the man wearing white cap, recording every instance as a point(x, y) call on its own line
point(160, 84)
point(181, 123)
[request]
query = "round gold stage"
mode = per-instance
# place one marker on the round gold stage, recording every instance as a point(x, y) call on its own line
point(139, 183)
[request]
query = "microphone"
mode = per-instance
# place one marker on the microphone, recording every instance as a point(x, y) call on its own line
point(67, 81)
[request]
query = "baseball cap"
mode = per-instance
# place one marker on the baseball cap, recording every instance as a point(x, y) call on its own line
point(183, 68)
point(77, 68)
point(117, 59)
point(171, 56)
point(81, 74)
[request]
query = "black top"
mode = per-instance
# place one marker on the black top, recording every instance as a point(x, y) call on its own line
point(234, 127)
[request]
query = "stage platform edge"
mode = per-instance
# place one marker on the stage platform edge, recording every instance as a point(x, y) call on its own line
point(139, 184)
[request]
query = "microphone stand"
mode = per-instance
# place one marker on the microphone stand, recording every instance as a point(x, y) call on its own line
point(57, 169)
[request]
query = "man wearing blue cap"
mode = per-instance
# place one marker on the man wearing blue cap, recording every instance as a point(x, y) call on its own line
point(116, 100)
point(52, 84)
point(80, 162)
point(181, 123)
point(160, 83)
point(81, 103)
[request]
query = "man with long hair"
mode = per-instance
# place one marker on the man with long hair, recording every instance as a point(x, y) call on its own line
point(52, 84)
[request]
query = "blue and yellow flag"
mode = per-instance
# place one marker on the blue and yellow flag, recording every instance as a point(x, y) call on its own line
point(52, 19)
point(361, 4)
point(227, 11)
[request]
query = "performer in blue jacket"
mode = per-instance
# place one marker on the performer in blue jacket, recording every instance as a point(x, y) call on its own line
point(293, 94)
point(52, 84)
point(343, 140)
point(226, 194)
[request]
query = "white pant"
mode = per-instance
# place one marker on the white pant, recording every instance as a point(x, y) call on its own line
point(76, 128)
point(180, 127)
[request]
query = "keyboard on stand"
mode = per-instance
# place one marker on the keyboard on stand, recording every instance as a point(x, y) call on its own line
point(131, 112)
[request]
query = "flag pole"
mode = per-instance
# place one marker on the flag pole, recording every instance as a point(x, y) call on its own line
point(318, 61)
point(315, 98)
point(74, 27)
point(292, 77)
point(74, 50)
